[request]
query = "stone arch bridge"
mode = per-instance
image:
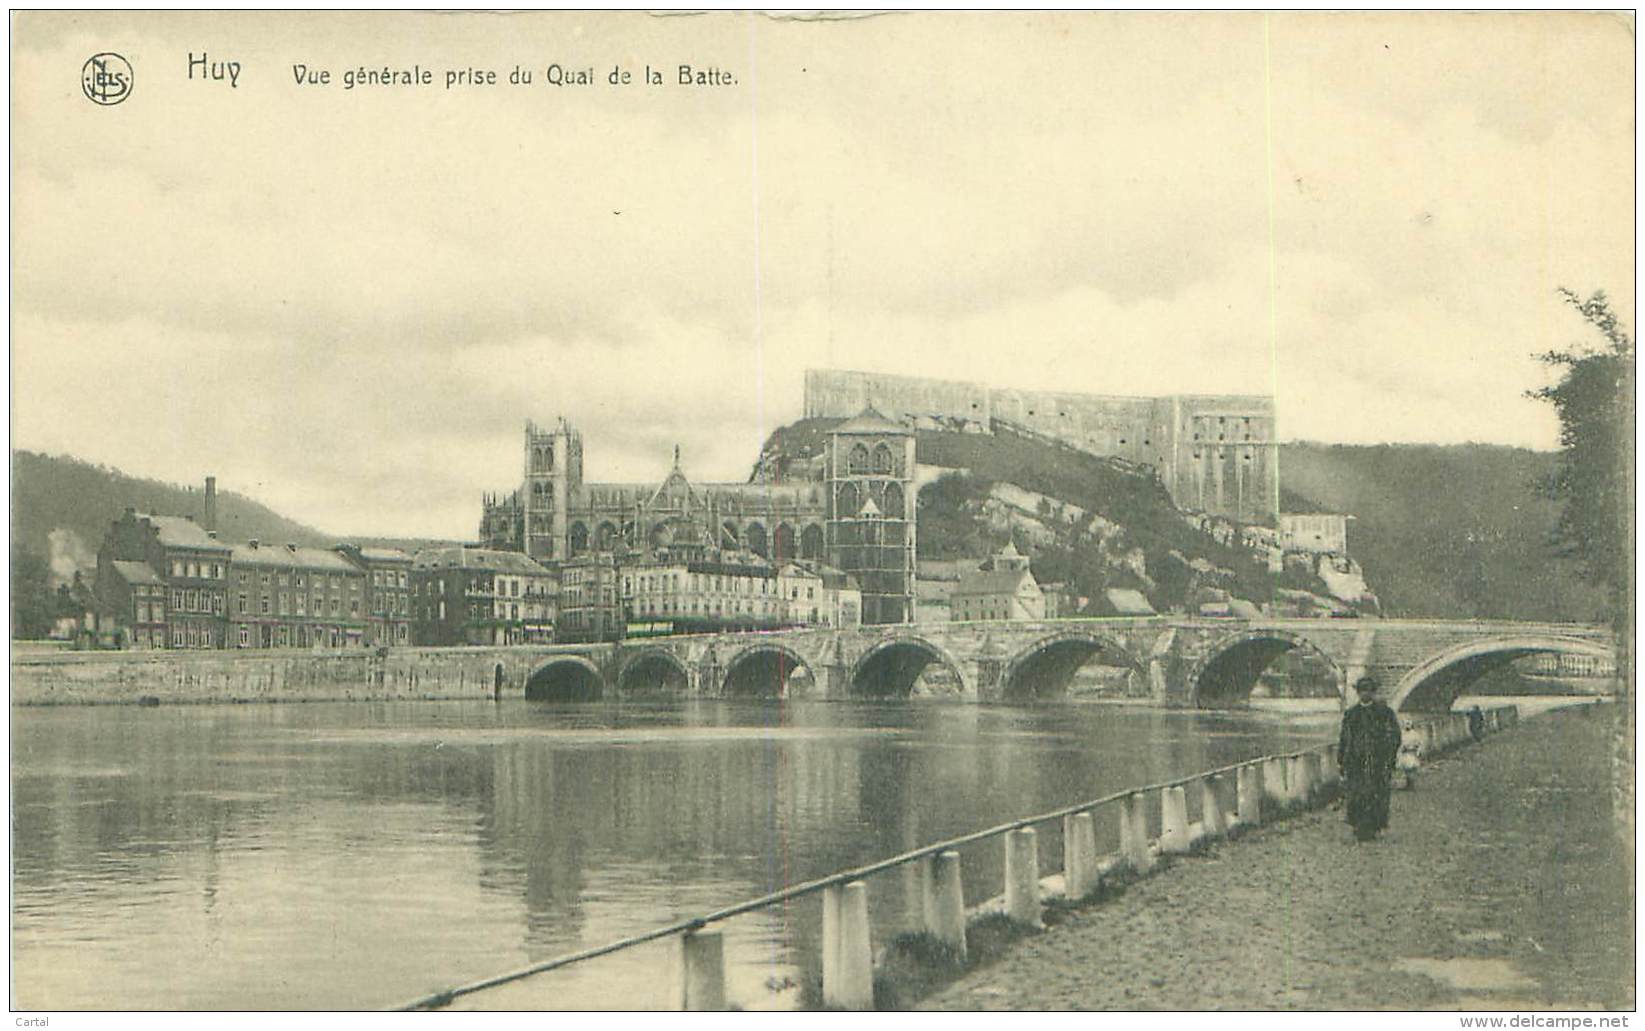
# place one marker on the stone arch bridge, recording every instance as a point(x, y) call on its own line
point(1177, 661)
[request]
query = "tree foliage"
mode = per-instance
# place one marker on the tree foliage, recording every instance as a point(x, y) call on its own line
point(33, 606)
point(1594, 478)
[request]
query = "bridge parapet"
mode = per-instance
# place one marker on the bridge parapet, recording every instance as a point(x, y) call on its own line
point(1177, 660)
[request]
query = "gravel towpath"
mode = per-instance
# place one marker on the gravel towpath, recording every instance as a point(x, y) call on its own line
point(1501, 884)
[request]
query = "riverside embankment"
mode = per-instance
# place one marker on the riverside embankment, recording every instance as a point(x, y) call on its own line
point(276, 675)
point(1501, 884)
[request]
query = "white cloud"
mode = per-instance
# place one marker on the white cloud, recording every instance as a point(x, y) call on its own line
point(346, 304)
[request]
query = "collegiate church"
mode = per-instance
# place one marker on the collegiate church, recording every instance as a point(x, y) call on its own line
point(853, 509)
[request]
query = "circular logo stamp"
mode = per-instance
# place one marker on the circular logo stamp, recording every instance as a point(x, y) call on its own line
point(106, 79)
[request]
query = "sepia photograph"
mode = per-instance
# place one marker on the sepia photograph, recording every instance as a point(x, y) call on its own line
point(1121, 512)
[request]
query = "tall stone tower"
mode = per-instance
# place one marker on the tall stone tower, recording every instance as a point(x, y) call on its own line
point(553, 470)
point(871, 512)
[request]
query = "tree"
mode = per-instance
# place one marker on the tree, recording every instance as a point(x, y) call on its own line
point(1594, 482)
point(32, 605)
point(1594, 478)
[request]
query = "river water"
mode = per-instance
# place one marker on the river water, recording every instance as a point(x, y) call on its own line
point(343, 856)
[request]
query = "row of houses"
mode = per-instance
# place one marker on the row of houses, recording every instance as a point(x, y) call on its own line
point(169, 582)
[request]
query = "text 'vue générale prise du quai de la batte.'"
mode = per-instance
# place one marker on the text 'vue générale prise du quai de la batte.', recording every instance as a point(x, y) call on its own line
point(206, 67)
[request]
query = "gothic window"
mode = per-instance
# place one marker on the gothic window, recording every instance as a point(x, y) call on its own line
point(604, 537)
point(858, 462)
point(757, 540)
point(579, 539)
point(811, 542)
point(850, 502)
point(882, 459)
point(893, 504)
point(783, 543)
point(728, 534)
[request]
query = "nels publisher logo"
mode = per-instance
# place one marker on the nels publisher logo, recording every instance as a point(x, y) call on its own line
point(106, 79)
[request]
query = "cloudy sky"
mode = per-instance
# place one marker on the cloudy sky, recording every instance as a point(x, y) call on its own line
point(346, 303)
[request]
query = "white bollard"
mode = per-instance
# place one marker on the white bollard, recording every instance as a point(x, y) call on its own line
point(921, 890)
point(852, 985)
point(1079, 856)
point(1274, 799)
point(947, 920)
point(1248, 788)
point(830, 941)
point(1328, 767)
point(1173, 823)
point(1210, 807)
point(1134, 833)
point(1306, 780)
point(702, 966)
point(1022, 877)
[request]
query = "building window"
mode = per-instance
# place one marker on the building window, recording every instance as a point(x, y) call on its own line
point(177, 599)
point(176, 567)
point(265, 604)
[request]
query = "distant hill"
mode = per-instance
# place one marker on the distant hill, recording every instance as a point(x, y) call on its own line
point(61, 507)
point(1444, 531)
point(1090, 522)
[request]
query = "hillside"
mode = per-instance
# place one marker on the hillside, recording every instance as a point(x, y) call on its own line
point(1086, 521)
point(61, 507)
point(1454, 531)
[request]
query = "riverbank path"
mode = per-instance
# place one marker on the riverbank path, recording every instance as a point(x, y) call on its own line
point(1501, 884)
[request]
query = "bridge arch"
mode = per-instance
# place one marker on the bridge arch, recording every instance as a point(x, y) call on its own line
point(891, 668)
point(653, 671)
point(569, 678)
point(1434, 684)
point(1232, 665)
point(763, 670)
point(1046, 667)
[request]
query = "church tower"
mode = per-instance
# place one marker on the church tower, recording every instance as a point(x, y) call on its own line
point(553, 473)
point(871, 512)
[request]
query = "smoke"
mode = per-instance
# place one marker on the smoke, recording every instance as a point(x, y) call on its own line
point(69, 555)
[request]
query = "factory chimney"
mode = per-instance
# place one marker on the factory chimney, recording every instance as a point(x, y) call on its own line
point(211, 503)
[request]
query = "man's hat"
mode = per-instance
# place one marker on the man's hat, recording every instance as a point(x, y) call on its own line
point(1368, 685)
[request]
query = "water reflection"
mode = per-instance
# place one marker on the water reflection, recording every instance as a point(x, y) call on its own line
point(347, 856)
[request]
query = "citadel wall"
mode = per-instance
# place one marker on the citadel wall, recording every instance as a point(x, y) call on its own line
point(1215, 453)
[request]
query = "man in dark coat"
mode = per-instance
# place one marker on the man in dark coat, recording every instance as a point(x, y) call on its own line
point(1366, 752)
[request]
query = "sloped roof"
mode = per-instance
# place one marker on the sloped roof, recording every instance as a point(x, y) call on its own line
point(1002, 581)
point(280, 556)
point(1128, 602)
point(178, 532)
point(136, 572)
point(384, 555)
point(869, 421)
point(482, 559)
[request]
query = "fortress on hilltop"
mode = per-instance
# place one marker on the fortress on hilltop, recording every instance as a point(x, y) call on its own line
point(1213, 452)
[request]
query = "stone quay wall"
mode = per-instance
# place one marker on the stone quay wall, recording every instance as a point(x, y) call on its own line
point(139, 677)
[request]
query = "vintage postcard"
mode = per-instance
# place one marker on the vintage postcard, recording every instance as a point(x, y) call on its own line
point(1124, 512)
